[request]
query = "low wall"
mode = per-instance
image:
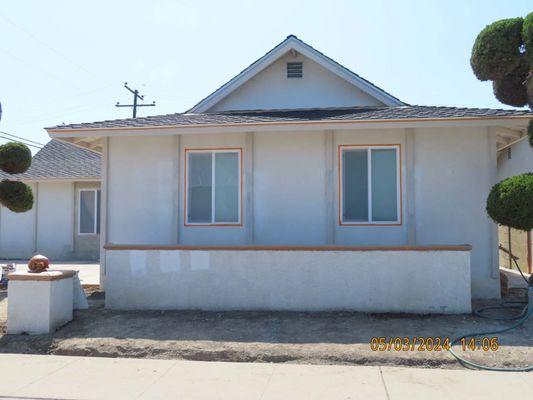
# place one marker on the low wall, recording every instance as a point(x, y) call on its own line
point(373, 279)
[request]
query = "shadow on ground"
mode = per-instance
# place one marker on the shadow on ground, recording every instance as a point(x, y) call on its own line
point(324, 337)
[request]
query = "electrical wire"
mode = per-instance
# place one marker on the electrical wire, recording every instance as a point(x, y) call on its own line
point(42, 43)
point(27, 144)
point(21, 138)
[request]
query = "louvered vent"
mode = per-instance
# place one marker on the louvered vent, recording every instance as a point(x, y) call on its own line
point(295, 70)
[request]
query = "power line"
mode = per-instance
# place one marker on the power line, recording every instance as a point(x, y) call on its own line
point(28, 33)
point(136, 96)
point(27, 64)
point(22, 138)
point(27, 144)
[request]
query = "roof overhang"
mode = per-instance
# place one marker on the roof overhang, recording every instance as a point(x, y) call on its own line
point(293, 43)
point(507, 128)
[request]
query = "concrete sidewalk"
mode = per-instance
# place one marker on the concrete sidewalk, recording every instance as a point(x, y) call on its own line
point(56, 377)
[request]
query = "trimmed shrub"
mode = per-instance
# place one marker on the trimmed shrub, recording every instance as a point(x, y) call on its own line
point(510, 202)
point(496, 51)
point(16, 196)
point(527, 36)
point(15, 158)
point(511, 89)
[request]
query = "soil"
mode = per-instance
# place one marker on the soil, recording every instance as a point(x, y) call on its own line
point(283, 337)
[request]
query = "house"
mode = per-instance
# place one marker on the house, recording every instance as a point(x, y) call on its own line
point(299, 185)
point(514, 158)
point(63, 223)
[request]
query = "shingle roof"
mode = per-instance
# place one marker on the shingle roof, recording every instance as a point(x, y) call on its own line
point(60, 160)
point(311, 115)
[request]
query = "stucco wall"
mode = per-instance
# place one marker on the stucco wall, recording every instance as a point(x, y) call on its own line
point(452, 180)
point(290, 191)
point(289, 280)
point(289, 179)
point(141, 197)
point(518, 161)
point(271, 89)
point(50, 227)
point(55, 219)
point(16, 233)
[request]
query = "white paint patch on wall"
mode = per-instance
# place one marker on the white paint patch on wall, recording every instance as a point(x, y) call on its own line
point(271, 89)
point(55, 219)
point(424, 282)
point(452, 181)
point(141, 190)
point(289, 188)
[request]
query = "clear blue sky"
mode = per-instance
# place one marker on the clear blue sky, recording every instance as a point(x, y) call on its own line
point(65, 61)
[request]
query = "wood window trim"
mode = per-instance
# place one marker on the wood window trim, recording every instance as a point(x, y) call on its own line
point(212, 150)
point(399, 181)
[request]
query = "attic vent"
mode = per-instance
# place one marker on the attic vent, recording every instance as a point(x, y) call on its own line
point(295, 70)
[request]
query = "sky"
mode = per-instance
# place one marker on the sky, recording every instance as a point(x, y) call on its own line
point(67, 61)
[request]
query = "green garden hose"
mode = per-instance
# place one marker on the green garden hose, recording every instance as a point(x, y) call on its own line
point(521, 317)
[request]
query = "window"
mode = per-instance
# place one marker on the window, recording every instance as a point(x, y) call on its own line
point(213, 180)
point(89, 212)
point(369, 183)
point(295, 70)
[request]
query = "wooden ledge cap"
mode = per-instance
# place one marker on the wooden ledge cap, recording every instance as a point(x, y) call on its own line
point(50, 275)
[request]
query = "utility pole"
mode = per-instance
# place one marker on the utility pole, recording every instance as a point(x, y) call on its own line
point(136, 96)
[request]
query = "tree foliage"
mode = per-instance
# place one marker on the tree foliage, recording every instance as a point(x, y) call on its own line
point(510, 202)
point(496, 52)
point(511, 89)
point(16, 196)
point(503, 53)
point(15, 158)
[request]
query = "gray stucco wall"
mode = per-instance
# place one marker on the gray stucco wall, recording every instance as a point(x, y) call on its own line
point(290, 191)
point(50, 227)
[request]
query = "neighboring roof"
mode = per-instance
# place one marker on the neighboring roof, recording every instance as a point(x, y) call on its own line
point(60, 160)
point(302, 115)
point(293, 43)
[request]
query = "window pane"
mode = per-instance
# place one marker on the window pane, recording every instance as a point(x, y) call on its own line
point(199, 187)
point(87, 211)
point(98, 203)
point(226, 187)
point(384, 188)
point(355, 189)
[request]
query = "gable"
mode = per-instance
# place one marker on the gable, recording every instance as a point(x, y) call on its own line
point(272, 89)
point(264, 84)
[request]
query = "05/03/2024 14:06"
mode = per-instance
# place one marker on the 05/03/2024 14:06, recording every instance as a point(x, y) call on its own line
point(420, 343)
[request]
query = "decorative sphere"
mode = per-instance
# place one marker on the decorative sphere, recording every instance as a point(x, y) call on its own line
point(38, 263)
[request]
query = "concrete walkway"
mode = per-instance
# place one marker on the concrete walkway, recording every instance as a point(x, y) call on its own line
point(56, 377)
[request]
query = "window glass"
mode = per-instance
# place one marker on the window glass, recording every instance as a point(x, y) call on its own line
point(384, 188)
point(200, 187)
point(355, 185)
point(87, 211)
point(226, 187)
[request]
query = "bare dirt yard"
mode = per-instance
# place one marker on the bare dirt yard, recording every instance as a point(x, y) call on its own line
point(288, 337)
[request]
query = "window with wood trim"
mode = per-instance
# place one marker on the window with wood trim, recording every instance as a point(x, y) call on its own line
point(89, 212)
point(369, 185)
point(213, 180)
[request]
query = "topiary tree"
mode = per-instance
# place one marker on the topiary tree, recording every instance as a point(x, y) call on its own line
point(510, 202)
point(503, 54)
point(15, 158)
